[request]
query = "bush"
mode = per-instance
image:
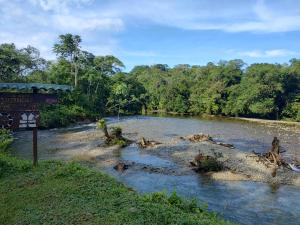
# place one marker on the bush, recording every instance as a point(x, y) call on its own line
point(101, 124)
point(292, 111)
point(5, 139)
point(210, 164)
point(189, 206)
point(61, 116)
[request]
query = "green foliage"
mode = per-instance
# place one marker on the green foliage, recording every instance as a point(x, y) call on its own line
point(67, 193)
point(61, 115)
point(292, 111)
point(17, 63)
point(101, 124)
point(260, 90)
point(209, 164)
point(127, 95)
point(120, 142)
point(191, 206)
point(5, 140)
point(228, 88)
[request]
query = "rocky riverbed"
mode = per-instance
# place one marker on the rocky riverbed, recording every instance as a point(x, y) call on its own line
point(89, 146)
point(238, 165)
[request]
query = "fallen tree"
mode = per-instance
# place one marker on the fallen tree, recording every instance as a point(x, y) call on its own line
point(273, 158)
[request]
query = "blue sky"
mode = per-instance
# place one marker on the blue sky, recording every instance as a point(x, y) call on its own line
point(159, 31)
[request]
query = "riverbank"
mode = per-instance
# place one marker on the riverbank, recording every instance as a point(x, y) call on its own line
point(67, 193)
point(256, 120)
point(264, 121)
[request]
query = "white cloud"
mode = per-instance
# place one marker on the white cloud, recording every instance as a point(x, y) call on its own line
point(272, 53)
point(39, 22)
point(77, 23)
point(229, 16)
point(58, 5)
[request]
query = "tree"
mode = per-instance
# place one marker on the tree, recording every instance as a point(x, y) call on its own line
point(15, 63)
point(127, 95)
point(259, 92)
point(68, 47)
point(108, 65)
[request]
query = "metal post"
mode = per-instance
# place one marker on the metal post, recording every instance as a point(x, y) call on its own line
point(34, 146)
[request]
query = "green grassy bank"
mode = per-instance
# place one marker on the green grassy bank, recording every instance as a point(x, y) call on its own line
point(68, 193)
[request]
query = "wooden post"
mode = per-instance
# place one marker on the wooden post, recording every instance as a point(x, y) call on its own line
point(34, 146)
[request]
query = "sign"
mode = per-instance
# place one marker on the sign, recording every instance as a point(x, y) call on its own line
point(20, 110)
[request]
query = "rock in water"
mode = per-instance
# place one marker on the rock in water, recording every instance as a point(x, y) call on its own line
point(121, 167)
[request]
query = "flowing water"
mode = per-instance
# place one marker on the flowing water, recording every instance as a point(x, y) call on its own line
point(242, 202)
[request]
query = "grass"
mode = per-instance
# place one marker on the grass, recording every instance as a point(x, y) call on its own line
point(68, 193)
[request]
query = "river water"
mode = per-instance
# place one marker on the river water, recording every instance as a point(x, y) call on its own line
point(238, 201)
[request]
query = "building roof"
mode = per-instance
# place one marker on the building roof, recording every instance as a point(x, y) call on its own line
point(32, 86)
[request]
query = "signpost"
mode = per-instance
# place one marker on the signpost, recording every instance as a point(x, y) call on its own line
point(21, 110)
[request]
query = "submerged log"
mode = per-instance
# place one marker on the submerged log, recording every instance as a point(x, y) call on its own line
point(225, 145)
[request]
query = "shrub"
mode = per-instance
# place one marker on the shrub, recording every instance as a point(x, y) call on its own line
point(61, 116)
point(209, 164)
point(5, 139)
point(101, 124)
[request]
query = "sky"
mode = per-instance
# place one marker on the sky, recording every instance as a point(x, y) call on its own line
point(145, 32)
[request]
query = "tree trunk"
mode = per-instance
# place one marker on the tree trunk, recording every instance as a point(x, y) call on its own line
point(106, 132)
point(76, 74)
point(275, 146)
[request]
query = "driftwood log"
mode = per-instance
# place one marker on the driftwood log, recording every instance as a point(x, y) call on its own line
point(272, 157)
point(147, 143)
point(199, 137)
point(205, 137)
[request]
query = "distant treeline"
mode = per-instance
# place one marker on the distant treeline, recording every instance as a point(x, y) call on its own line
point(229, 88)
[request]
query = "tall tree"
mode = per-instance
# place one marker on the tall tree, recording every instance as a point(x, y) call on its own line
point(68, 47)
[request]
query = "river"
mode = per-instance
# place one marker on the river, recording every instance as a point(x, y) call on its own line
point(243, 202)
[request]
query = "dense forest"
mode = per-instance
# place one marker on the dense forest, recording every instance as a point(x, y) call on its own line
point(229, 88)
